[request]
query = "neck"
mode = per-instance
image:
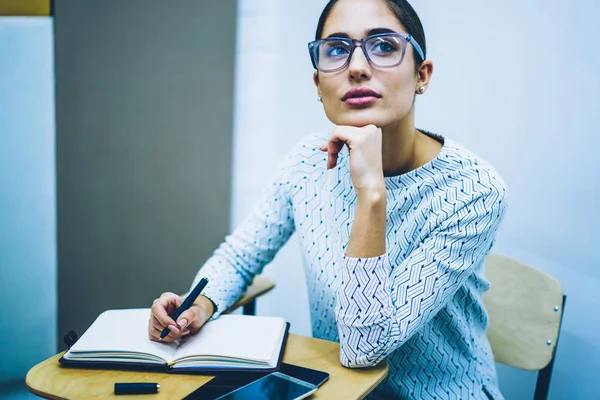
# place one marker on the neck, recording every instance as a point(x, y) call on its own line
point(402, 147)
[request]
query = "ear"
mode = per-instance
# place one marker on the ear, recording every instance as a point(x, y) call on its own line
point(316, 81)
point(424, 75)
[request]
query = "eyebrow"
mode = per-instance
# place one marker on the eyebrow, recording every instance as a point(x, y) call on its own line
point(370, 32)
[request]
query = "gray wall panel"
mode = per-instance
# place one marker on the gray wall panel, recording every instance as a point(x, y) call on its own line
point(144, 98)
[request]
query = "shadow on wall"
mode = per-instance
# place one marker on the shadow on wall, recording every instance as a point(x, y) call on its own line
point(574, 350)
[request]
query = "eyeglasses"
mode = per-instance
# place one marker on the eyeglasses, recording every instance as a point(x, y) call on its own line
point(384, 50)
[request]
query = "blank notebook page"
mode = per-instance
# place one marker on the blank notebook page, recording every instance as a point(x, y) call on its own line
point(122, 331)
point(237, 336)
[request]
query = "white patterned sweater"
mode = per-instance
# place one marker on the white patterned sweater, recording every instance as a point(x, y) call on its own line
point(420, 304)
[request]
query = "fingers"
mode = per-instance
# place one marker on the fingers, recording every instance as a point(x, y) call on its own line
point(161, 308)
point(155, 330)
point(193, 318)
point(355, 136)
point(351, 136)
point(185, 318)
point(333, 147)
point(160, 319)
point(190, 321)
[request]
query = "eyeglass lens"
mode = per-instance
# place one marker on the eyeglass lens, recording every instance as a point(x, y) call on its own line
point(383, 51)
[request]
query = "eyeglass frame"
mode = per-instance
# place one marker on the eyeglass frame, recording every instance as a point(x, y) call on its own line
point(312, 48)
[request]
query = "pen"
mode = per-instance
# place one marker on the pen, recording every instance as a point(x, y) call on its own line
point(187, 303)
point(136, 388)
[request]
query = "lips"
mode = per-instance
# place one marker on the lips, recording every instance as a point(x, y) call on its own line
point(363, 92)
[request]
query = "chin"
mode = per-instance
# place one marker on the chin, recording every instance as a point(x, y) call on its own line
point(360, 118)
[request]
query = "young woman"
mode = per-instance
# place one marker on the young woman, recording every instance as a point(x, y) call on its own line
point(394, 222)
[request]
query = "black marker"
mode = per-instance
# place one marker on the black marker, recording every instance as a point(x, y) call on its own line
point(187, 303)
point(136, 388)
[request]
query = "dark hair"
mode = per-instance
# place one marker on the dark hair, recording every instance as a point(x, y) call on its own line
point(407, 16)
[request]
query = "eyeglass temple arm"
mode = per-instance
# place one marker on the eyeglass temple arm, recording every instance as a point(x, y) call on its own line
point(416, 46)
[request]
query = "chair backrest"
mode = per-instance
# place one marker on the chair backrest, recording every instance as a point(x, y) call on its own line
point(524, 307)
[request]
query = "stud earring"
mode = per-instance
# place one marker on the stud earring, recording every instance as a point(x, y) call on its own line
point(319, 99)
point(422, 89)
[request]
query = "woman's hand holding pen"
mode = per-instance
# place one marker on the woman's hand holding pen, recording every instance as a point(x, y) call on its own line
point(364, 144)
point(189, 322)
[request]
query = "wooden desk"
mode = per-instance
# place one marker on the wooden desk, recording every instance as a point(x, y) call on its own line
point(49, 380)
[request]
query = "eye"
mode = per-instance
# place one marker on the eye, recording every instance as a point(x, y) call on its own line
point(382, 46)
point(336, 49)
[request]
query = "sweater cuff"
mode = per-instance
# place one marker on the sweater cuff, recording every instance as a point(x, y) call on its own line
point(363, 292)
point(363, 270)
point(219, 297)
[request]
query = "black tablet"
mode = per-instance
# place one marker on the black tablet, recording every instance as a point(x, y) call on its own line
point(227, 382)
point(273, 386)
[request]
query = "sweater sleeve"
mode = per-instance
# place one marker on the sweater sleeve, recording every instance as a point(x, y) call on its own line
point(380, 306)
point(253, 244)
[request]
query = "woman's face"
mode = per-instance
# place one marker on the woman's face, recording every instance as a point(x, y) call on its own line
point(396, 86)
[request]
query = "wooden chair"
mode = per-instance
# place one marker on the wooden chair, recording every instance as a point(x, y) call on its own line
point(525, 308)
point(259, 286)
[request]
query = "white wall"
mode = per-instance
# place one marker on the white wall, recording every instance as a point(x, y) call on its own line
point(27, 198)
point(276, 104)
point(515, 81)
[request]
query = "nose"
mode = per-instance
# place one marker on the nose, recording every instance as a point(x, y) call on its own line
point(359, 67)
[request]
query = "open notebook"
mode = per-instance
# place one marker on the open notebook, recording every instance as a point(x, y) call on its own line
point(119, 339)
